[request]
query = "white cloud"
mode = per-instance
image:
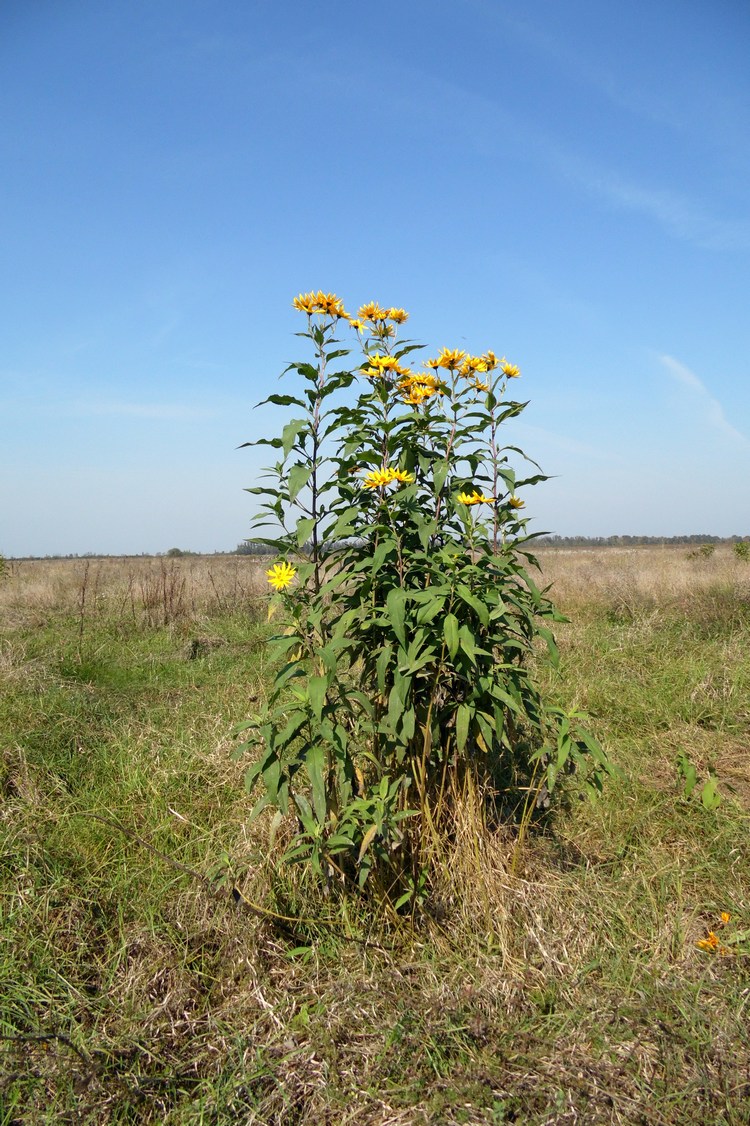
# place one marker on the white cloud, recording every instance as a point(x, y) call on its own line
point(713, 408)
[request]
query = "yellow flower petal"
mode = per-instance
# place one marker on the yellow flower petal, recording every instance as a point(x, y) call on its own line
point(280, 575)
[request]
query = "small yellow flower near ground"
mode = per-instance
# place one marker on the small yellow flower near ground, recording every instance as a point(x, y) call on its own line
point(450, 358)
point(516, 502)
point(725, 917)
point(280, 575)
point(711, 942)
point(475, 498)
point(378, 478)
point(511, 370)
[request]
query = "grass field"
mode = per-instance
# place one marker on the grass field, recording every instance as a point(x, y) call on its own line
point(144, 977)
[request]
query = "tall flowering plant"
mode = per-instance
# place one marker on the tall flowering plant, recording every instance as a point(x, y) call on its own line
point(410, 615)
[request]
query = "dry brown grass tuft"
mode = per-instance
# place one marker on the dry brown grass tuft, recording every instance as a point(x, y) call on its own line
point(631, 580)
point(142, 591)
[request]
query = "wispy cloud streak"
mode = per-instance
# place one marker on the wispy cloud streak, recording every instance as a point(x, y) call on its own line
point(675, 213)
point(713, 408)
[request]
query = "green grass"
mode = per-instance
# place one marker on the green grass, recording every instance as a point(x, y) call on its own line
point(134, 992)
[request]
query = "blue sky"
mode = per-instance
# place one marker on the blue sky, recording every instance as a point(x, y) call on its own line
point(565, 183)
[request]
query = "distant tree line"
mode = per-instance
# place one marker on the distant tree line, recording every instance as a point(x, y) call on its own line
point(634, 541)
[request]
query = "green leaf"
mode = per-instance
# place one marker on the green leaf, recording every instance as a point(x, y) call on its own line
point(709, 797)
point(548, 636)
point(463, 716)
point(304, 530)
point(450, 633)
point(395, 606)
point(395, 706)
point(439, 475)
point(315, 762)
point(298, 477)
point(271, 776)
point(475, 603)
point(381, 666)
point(317, 687)
point(430, 610)
point(468, 644)
point(290, 432)
point(282, 401)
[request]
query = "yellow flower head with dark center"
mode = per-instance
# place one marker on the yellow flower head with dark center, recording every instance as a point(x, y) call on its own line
point(359, 325)
point(491, 360)
point(474, 498)
point(510, 370)
point(416, 394)
point(473, 364)
point(516, 502)
point(372, 312)
point(379, 478)
point(280, 575)
point(434, 364)
point(399, 316)
point(329, 303)
point(306, 303)
point(450, 358)
point(421, 379)
point(480, 385)
point(382, 365)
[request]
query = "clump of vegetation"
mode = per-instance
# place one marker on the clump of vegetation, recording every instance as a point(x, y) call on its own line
point(742, 550)
point(410, 615)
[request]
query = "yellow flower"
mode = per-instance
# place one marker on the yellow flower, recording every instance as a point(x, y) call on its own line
point(320, 303)
point(473, 364)
point(475, 498)
point(725, 917)
point(435, 364)
point(490, 360)
point(329, 303)
point(480, 385)
point(378, 478)
point(380, 365)
point(416, 394)
point(516, 502)
point(357, 324)
point(372, 312)
point(398, 315)
point(280, 575)
point(421, 379)
point(709, 943)
point(450, 358)
point(510, 370)
point(306, 303)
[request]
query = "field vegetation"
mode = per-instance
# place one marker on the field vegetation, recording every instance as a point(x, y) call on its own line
point(157, 967)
